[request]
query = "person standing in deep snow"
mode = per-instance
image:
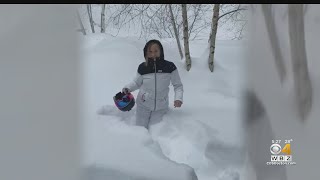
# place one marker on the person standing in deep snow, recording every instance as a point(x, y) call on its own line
point(153, 79)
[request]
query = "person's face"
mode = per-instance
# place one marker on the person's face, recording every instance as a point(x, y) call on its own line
point(153, 51)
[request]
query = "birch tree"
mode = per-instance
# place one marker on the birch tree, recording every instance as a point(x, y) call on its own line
point(103, 24)
point(269, 20)
point(186, 36)
point(214, 28)
point(302, 83)
point(81, 24)
point(90, 17)
point(175, 31)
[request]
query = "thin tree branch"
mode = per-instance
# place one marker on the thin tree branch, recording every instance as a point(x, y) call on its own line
point(240, 9)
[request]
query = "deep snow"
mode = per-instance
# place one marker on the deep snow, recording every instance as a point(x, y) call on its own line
point(205, 134)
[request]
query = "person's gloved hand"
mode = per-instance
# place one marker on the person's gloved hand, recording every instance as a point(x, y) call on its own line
point(125, 90)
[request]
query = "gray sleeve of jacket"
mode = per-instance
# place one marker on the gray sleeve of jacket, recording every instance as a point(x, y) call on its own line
point(135, 84)
point(177, 84)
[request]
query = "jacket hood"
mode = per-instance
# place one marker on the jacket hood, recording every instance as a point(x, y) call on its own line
point(153, 41)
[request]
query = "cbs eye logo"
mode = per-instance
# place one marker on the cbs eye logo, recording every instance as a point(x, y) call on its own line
point(276, 149)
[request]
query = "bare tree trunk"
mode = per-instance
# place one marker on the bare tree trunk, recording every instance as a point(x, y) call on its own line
point(81, 24)
point(302, 83)
point(231, 13)
point(214, 28)
point(259, 130)
point(186, 36)
point(175, 31)
point(90, 17)
point(103, 17)
point(267, 11)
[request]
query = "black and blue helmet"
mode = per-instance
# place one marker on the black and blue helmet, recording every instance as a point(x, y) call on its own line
point(124, 102)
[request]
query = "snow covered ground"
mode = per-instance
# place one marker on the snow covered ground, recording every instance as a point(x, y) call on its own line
point(204, 136)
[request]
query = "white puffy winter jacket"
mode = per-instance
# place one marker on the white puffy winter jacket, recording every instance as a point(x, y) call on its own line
point(153, 81)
